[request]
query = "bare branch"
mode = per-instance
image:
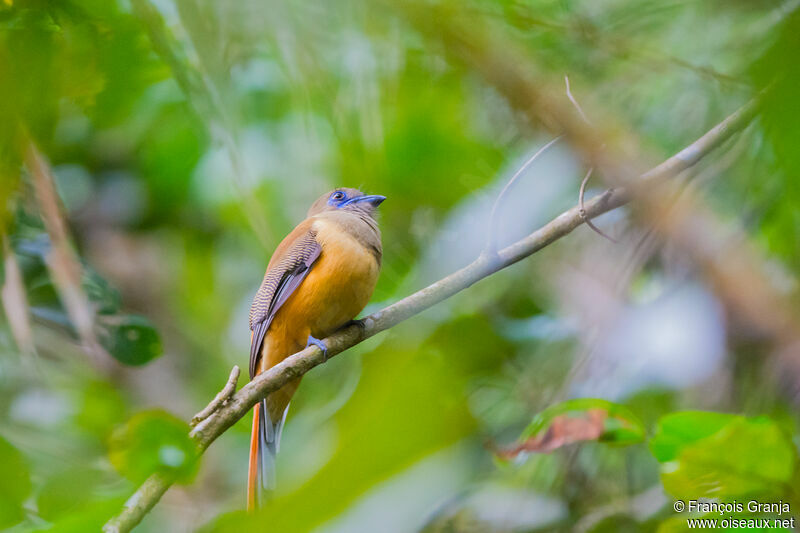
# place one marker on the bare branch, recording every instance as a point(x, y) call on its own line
point(733, 266)
point(220, 399)
point(298, 364)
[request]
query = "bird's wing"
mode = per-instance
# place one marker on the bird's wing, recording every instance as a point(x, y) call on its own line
point(288, 267)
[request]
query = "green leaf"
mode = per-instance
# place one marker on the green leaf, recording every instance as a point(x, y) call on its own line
point(15, 484)
point(154, 441)
point(731, 457)
point(677, 430)
point(100, 292)
point(47, 304)
point(131, 339)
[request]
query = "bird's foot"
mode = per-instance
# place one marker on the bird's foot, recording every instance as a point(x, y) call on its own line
point(319, 344)
point(360, 322)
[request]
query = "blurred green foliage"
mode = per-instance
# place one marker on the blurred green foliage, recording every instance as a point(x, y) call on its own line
point(131, 339)
point(15, 485)
point(717, 456)
point(187, 137)
point(781, 118)
point(153, 442)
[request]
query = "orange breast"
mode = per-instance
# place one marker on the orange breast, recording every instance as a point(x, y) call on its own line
point(336, 289)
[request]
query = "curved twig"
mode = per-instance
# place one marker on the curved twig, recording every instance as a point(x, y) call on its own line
point(491, 244)
point(575, 102)
point(220, 399)
point(582, 210)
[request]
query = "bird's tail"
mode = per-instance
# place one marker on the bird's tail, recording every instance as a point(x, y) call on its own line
point(264, 444)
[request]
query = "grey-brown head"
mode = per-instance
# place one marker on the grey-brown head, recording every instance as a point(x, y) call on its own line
point(349, 200)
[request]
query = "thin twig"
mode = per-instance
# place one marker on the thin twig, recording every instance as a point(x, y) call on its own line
point(220, 399)
point(491, 245)
point(575, 102)
point(582, 210)
point(589, 173)
point(294, 366)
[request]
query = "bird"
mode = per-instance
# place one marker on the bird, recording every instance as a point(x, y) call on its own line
point(320, 277)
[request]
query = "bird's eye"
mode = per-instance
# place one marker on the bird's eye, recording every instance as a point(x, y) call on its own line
point(338, 195)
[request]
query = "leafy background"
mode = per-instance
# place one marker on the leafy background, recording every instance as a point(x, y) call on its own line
point(187, 137)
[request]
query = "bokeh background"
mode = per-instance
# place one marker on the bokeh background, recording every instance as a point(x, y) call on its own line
point(154, 154)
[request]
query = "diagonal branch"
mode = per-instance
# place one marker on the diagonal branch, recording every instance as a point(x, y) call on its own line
point(298, 364)
point(61, 260)
point(732, 265)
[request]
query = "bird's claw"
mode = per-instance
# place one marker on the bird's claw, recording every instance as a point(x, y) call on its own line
point(319, 344)
point(360, 322)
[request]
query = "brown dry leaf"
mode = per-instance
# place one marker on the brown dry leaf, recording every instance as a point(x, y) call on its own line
point(565, 429)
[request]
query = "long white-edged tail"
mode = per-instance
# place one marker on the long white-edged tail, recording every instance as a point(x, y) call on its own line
point(265, 442)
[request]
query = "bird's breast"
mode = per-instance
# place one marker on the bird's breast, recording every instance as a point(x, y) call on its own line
point(341, 282)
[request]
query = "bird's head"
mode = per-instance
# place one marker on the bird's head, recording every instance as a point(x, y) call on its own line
point(346, 199)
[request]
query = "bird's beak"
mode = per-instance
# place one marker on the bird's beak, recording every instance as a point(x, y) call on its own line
point(374, 199)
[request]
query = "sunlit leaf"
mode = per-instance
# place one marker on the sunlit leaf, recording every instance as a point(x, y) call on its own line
point(153, 441)
point(677, 430)
point(732, 457)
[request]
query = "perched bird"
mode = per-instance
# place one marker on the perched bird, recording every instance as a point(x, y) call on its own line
point(319, 278)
